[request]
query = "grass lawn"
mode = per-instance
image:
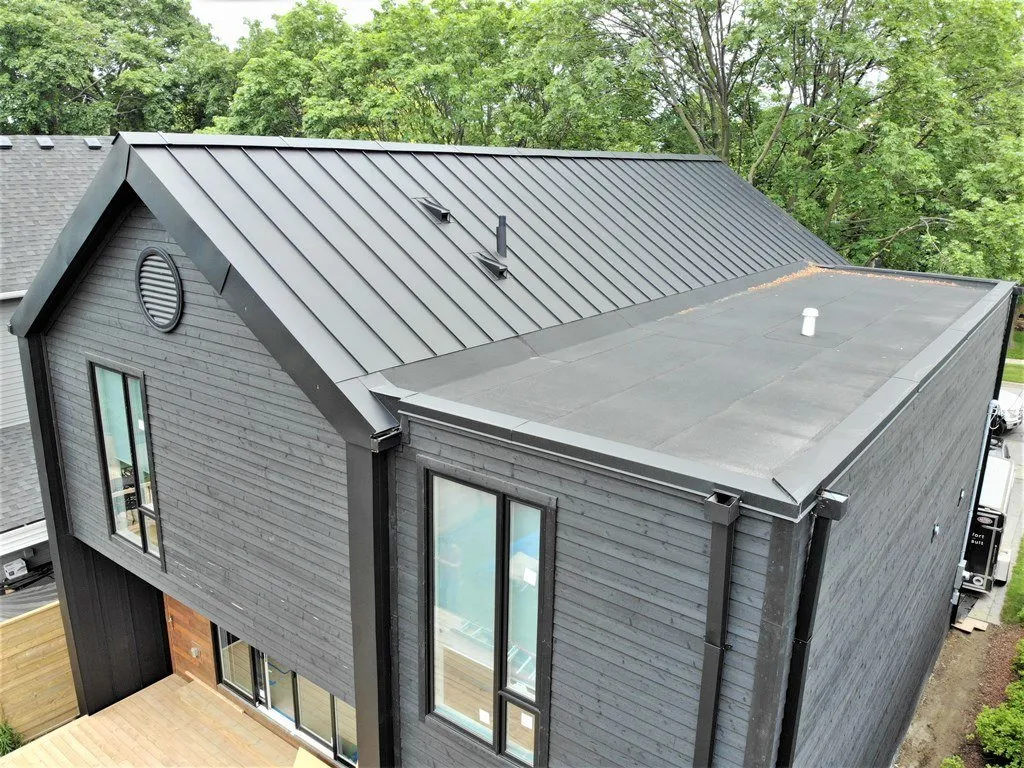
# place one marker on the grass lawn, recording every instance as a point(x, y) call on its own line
point(1013, 373)
point(1016, 349)
point(1013, 607)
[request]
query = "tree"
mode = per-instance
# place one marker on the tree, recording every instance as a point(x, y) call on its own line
point(892, 129)
point(444, 71)
point(98, 66)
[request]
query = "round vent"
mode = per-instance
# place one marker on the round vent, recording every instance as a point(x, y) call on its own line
point(159, 288)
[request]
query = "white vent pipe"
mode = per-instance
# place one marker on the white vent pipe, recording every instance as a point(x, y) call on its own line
point(810, 317)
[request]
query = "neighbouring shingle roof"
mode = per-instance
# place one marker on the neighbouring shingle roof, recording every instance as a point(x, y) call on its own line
point(332, 237)
point(39, 188)
point(20, 502)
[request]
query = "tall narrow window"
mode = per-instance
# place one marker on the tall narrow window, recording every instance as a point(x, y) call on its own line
point(127, 461)
point(486, 587)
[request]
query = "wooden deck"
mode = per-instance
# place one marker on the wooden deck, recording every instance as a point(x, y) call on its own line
point(171, 723)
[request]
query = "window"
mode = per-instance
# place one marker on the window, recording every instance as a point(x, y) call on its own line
point(236, 662)
point(288, 698)
point(486, 585)
point(126, 457)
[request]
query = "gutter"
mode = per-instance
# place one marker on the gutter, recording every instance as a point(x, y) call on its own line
point(831, 507)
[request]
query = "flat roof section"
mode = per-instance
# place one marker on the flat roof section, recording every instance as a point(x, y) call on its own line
point(730, 383)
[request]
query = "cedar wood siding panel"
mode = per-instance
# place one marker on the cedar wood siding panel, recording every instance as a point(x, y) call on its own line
point(250, 477)
point(630, 598)
point(884, 605)
point(12, 389)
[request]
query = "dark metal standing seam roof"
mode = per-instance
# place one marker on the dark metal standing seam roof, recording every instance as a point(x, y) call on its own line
point(327, 252)
point(331, 236)
point(38, 191)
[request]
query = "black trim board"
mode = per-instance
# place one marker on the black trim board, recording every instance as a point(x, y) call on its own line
point(807, 607)
point(786, 554)
point(89, 225)
point(370, 569)
point(124, 178)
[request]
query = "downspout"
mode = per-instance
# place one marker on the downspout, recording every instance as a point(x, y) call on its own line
point(723, 509)
point(831, 507)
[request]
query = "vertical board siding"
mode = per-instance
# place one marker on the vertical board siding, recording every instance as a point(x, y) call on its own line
point(884, 605)
point(12, 390)
point(250, 476)
point(630, 588)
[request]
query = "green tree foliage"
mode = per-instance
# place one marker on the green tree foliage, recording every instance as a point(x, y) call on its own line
point(485, 72)
point(892, 128)
point(99, 66)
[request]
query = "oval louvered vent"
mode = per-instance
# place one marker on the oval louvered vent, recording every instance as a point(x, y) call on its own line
point(159, 288)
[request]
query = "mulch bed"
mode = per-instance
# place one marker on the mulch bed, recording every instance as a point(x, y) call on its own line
point(998, 674)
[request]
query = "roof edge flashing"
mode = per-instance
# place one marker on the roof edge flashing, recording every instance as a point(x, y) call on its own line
point(81, 232)
point(693, 478)
point(806, 473)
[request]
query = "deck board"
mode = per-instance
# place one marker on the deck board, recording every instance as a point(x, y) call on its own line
point(171, 724)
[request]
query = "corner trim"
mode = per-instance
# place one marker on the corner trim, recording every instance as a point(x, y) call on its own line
point(370, 592)
point(807, 608)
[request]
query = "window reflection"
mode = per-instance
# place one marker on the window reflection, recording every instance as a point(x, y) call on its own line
point(464, 529)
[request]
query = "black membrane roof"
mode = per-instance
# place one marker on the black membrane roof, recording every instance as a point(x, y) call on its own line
point(728, 383)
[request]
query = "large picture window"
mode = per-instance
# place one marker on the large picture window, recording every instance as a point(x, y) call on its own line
point(292, 701)
point(126, 458)
point(486, 588)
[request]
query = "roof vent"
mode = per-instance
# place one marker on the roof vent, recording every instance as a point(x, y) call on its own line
point(159, 287)
point(5, 143)
point(93, 143)
point(44, 142)
point(496, 264)
point(492, 265)
point(810, 315)
point(435, 209)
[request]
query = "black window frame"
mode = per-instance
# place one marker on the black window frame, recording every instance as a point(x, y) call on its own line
point(259, 700)
point(152, 511)
point(505, 493)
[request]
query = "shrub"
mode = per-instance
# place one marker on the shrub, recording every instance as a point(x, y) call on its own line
point(1018, 660)
point(953, 761)
point(1001, 729)
point(10, 739)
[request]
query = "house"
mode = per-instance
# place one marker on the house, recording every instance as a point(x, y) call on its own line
point(42, 178)
point(461, 456)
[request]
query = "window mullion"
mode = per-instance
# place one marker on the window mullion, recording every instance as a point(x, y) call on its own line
point(501, 644)
point(129, 422)
point(335, 746)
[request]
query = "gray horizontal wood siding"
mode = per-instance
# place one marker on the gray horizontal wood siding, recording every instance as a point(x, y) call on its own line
point(250, 476)
point(12, 390)
point(884, 604)
point(630, 592)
